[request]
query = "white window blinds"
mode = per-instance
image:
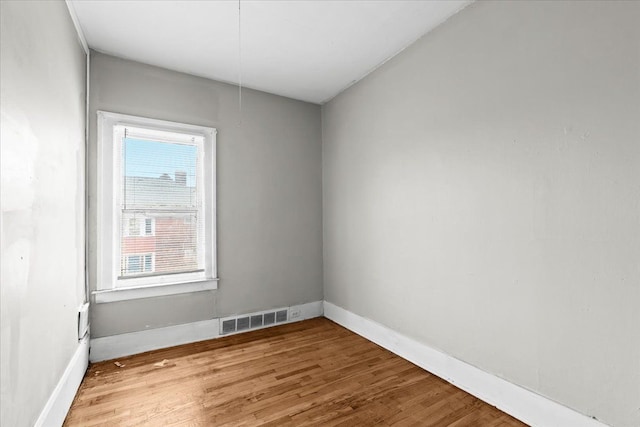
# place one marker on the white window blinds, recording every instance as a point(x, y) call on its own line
point(160, 202)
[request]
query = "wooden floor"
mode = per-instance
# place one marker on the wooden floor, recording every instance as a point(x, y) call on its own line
point(311, 373)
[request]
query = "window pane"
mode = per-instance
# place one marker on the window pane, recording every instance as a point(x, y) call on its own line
point(159, 174)
point(133, 264)
point(133, 227)
point(148, 262)
point(160, 194)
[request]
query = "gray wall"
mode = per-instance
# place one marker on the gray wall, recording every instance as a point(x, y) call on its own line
point(481, 195)
point(269, 192)
point(42, 81)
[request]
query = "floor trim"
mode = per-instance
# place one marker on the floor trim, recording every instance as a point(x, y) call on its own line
point(60, 400)
point(516, 401)
point(111, 347)
point(121, 345)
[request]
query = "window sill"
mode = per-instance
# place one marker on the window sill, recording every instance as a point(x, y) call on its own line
point(138, 292)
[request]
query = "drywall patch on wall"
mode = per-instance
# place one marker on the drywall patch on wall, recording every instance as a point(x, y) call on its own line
point(18, 160)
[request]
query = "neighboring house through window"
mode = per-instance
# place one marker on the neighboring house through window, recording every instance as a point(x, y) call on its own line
point(156, 216)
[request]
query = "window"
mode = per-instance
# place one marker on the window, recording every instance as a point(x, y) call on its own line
point(134, 225)
point(156, 213)
point(138, 264)
point(148, 227)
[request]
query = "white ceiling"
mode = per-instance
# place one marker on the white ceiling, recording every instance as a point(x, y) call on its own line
point(307, 50)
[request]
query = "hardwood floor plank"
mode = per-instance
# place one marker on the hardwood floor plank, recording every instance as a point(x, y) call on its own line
point(311, 373)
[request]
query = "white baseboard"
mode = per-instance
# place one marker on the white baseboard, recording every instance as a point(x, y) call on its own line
point(523, 404)
point(56, 408)
point(114, 346)
point(516, 401)
point(309, 310)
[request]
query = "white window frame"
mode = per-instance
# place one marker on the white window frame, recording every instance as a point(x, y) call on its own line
point(109, 287)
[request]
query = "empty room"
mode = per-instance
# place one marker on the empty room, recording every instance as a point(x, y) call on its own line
point(320, 213)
